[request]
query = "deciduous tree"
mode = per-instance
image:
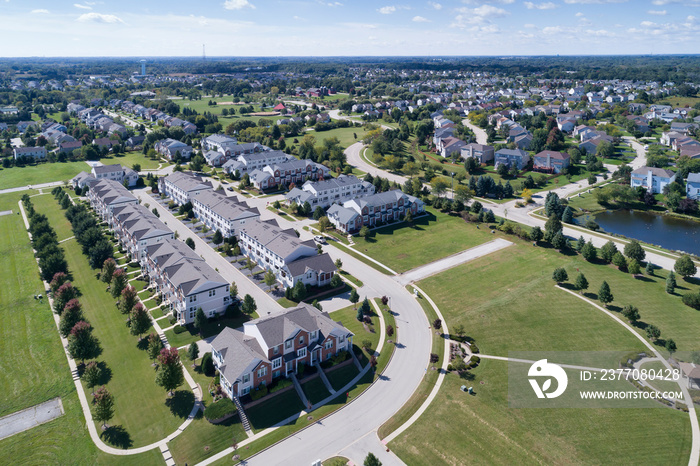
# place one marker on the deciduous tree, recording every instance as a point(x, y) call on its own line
point(685, 267)
point(118, 283)
point(169, 374)
point(104, 406)
point(140, 320)
point(91, 375)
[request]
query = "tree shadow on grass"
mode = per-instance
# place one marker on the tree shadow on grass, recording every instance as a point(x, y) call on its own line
point(569, 286)
point(590, 295)
point(642, 278)
point(105, 373)
point(181, 403)
point(614, 308)
point(117, 436)
point(466, 375)
point(142, 344)
point(692, 280)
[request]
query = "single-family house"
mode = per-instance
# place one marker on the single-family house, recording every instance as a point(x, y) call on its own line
point(551, 161)
point(511, 157)
point(481, 152)
point(652, 178)
point(692, 186)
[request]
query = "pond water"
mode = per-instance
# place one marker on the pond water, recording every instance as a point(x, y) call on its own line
point(663, 230)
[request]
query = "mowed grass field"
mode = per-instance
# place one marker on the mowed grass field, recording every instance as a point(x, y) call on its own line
point(462, 429)
point(507, 302)
point(433, 236)
point(141, 409)
point(34, 368)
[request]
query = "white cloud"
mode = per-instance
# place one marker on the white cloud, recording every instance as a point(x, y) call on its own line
point(331, 4)
point(648, 24)
point(486, 11)
point(579, 15)
point(98, 18)
point(238, 4)
point(82, 7)
point(387, 10)
point(540, 6)
point(550, 30)
point(657, 12)
point(592, 2)
point(420, 19)
point(39, 11)
point(435, 5)
point(476, 2)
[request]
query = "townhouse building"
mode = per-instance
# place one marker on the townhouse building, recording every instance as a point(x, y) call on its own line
point(374, 210)
point(136, 228)
point(170, 148)
point(271, 347)
point(116, 173)
point(220, 143)
point(248, 163)
point(692, 186)
point(31, 152)
point(220, 212)
point(106, 195)
point(181, 187)
point(330, 191)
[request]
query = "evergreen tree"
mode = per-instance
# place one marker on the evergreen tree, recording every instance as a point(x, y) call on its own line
point(631, 313)
point(365, 307)
point(580, 243)
point(299, 292)
point(607, 252)
point(508, 190)
point(653, 332)
point(649, 269)
point(193, 351)
point(536, 234)
point(552, 227)
point(619, 261)
point(589, 252)
point(218, 238)
point(581, 282)
point(605, 296)
point(559, 242)
point(249, 305)
point(671, 346)
point(568, 215)
point(552, 205)
point(633, 267)
point(559, 275)
point(671, 283)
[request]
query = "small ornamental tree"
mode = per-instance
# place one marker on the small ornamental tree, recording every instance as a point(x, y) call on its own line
point(269, 279)
point(91, 375)
point(200, 319)
point(82, 344)
point(605, 296)
point(249, 305)
point(365, 307)
point(371, 460)
point(671, 283)
point(685, 267)
point(559, 275)
point(108, 269)
point(354, 297)
point(299, 291)
point(589, 252)
point(190, 242)
point(154, 346)
point(653, 332)
point(619, 261)
point(634, 250)
point(59, 279)
point(128, 300)
point(63, 295)
point(437, 324)
point(536, 234)
point(104, 406)
point(364, 232)
point(218, 238)
point(338, 264)
point(633, 267)
point(671, 346)
point(336, 281)
point(169, 374)
point(631, 313)
point(118, 283)
point(140, 320)
point(233, 290)
point(193, 352)
point(72, 314)
point(581, 282)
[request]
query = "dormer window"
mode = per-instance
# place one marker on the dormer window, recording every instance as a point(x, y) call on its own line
point(287, 344)
point(301, 340)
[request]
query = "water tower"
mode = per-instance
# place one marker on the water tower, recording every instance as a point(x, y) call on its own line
point(143, 67)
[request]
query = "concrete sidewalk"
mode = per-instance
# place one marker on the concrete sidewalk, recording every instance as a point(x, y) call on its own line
point(30, 417)
point(441, 265)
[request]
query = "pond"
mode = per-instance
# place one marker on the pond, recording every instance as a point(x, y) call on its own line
point(663, 230)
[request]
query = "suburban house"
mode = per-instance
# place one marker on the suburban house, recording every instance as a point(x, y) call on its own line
point(69, 146)
point(169, 148)
point(214, 158)
point(330, 191)
point(220, 212)
point(481, 152)
point(654, 179)
point(106, 195)
point(219, 143)
point(374, 210)
point(590, 146)
point(117, 173)
point(512, 157)
point(692, 186)
point(185, 280)
point(181, 187)
point(136, 228)
point(274, 346)
point(551, 161)
point(690, 373)
point(32, 152)
point(274, 248)
point(247, 163)
point(450, 145)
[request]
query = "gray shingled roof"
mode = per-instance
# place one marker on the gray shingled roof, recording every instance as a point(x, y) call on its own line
point(188, 182)
point(107, 169)
point(343, 214)
point(241, 353)
point(193, 276)
point(170, 252)
point(281, 242)
point(693, 178)
point(322, 263)
point(643, 171)
point(227, 207)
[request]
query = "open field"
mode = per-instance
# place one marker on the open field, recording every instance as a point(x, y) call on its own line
point(402, 248)
point(42, 173)
point(34, 367)
point(346, 136)
point(131, 375)
point(483, 429)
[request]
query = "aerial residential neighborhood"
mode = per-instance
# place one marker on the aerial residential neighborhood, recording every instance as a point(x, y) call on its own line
point(335, 233)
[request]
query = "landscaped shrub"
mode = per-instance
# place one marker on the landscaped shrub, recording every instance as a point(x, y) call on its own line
point(259, 393)
point(219, 409)
point(434, 357)
point(178, 329)
point(474, 361)
point(208, 365)
point(692, 300)
point(281, 383)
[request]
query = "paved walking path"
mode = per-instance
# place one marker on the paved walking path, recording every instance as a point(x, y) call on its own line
point(694, 426)
point(441, 265)
point(31, 417)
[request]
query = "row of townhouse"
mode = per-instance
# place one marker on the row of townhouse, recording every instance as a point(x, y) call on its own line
point(265, 243)
point(31, 152)
point(330, 191)
point(154, 115)
point(271, 347)
point(118, 173)
point(285, 173)
point(256, 159)
point(184, 279)
point(374, 210)
point(95, 119)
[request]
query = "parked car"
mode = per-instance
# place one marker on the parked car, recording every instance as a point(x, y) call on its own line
point(320, 239)
point(230, 188)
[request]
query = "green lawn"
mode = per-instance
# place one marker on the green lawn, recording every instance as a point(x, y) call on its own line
point(402, 248)
point(483, 429)
point(34, 368)
point(275, 409)
point(315, 390)
point(346, 136)
point(212, 327)
point(41, 173)
point(348, 317)
point(132, 376)
point(130, 158)
point(339, 377)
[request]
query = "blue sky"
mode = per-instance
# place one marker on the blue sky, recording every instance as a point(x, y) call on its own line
point(347, 27)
